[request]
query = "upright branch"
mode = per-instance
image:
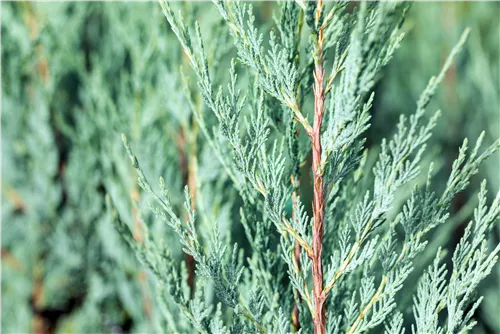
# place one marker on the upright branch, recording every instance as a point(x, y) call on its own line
point(187, 163)
point(138, 235)
point(297, 250)
point(319, 317)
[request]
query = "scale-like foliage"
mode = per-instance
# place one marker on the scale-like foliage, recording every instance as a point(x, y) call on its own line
point(247, 113)
point(369, 263)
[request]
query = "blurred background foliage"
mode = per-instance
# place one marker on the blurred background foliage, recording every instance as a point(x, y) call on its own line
point(77, 74)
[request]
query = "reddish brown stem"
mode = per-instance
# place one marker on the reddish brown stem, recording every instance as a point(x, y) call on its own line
point(191, 266)
point(39, 323)
point(31, 21)
point(319, 317)
point(137, 229)
point(11, 260)
point(297, 250)
point(13, 197)
point(138, 234)
point(188, 177)
point(146, 298)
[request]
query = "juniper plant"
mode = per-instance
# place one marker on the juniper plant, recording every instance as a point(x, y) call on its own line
point(62, 262)
point(349, 261)
point(468, 94)
point(291, 220)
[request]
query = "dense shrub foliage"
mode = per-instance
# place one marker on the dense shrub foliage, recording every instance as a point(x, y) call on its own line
point(306, 181)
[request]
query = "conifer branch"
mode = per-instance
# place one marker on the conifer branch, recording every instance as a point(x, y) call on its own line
point(228, 101)
point(319, 316)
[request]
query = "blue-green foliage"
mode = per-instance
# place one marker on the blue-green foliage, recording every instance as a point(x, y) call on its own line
point(216, 101)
